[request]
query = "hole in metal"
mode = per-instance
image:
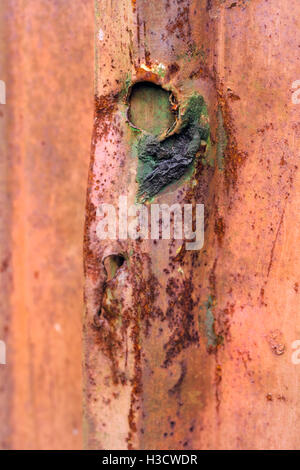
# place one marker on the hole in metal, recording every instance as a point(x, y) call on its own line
point(151, 108)
point(111, 264)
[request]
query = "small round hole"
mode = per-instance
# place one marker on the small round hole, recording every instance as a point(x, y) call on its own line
point(151, 108)
point(111, 264)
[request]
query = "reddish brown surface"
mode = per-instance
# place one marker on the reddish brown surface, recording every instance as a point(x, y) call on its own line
point(176, 390)
point(47, 63)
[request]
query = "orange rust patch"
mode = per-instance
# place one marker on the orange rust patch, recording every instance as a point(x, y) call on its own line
point(147, 76)
point(276, 342)
point(105, 105)
point(234, 158)
point(219, 228)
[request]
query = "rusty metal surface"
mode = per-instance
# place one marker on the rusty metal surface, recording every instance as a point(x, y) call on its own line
point(5, 279)
point(47, 64)
point(192, 350)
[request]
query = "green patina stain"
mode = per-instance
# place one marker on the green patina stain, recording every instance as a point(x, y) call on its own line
point(222, 140)
point(212, 339)
point(126, 85)
point(160, 70)
point(193, 52)
point(209, 323)
point(208, 159)
point(164, 162)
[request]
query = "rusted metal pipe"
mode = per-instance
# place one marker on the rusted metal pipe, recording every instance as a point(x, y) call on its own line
point(192, 349)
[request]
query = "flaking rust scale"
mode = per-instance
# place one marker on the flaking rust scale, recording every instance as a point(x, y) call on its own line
point(155, 140)
point(186, 116)
point(163, 161)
